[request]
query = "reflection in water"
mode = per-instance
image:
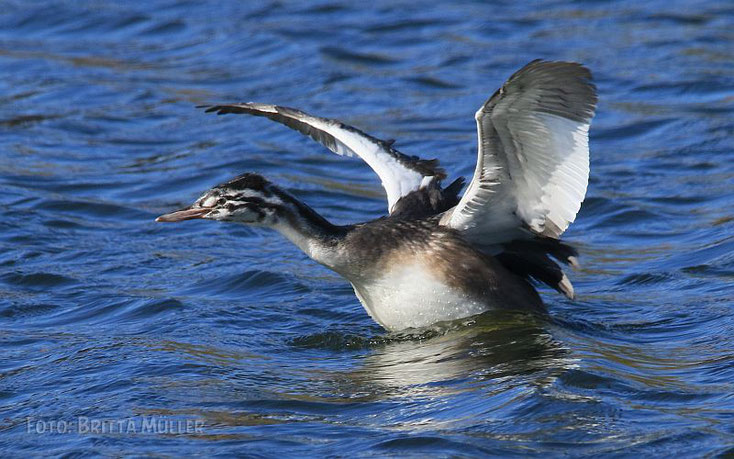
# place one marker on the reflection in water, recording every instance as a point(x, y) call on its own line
point(496, 345)
point(508, 357)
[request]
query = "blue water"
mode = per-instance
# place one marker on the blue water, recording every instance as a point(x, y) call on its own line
point(107, 316)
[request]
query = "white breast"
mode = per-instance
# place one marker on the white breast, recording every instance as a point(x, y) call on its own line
point(411, 296)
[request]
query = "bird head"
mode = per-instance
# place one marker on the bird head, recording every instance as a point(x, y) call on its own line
point(248, 198)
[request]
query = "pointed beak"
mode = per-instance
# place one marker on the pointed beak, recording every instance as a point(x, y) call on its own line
point(184, 214)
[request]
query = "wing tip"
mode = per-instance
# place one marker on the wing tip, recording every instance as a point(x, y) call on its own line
point(208, 108)
point(573, 261)
point(565, 286)
point(219, 109)
point(574, 74)
point(252, 108)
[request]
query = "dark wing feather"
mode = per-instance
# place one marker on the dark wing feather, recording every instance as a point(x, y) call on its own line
point(400, 174)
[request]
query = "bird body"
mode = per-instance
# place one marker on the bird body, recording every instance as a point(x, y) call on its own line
point(438, 256)
point(413, 273)
point(424, 273)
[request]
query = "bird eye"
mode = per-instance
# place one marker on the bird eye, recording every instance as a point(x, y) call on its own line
point(221, 201)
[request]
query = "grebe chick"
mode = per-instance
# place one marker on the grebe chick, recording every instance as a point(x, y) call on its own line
point(438, 257)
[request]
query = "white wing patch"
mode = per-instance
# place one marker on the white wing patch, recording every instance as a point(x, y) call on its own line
point(397, 179)
point(562, 195)
point(533, 162)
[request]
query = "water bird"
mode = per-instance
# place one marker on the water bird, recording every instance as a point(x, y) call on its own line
point(438, 256)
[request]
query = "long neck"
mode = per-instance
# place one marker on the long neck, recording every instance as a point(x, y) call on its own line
point(311, 232)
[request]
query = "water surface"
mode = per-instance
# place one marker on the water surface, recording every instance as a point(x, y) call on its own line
point(106, 315)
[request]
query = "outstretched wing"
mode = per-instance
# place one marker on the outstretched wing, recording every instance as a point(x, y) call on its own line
point(400, 173)
point(533, 166)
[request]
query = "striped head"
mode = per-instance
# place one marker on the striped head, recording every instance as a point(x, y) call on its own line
point(249, 198)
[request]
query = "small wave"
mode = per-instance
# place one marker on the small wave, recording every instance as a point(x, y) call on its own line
point(630, 130)
point(260, 284)
point(37, 281)
point(645, 279)
point(352, 57)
